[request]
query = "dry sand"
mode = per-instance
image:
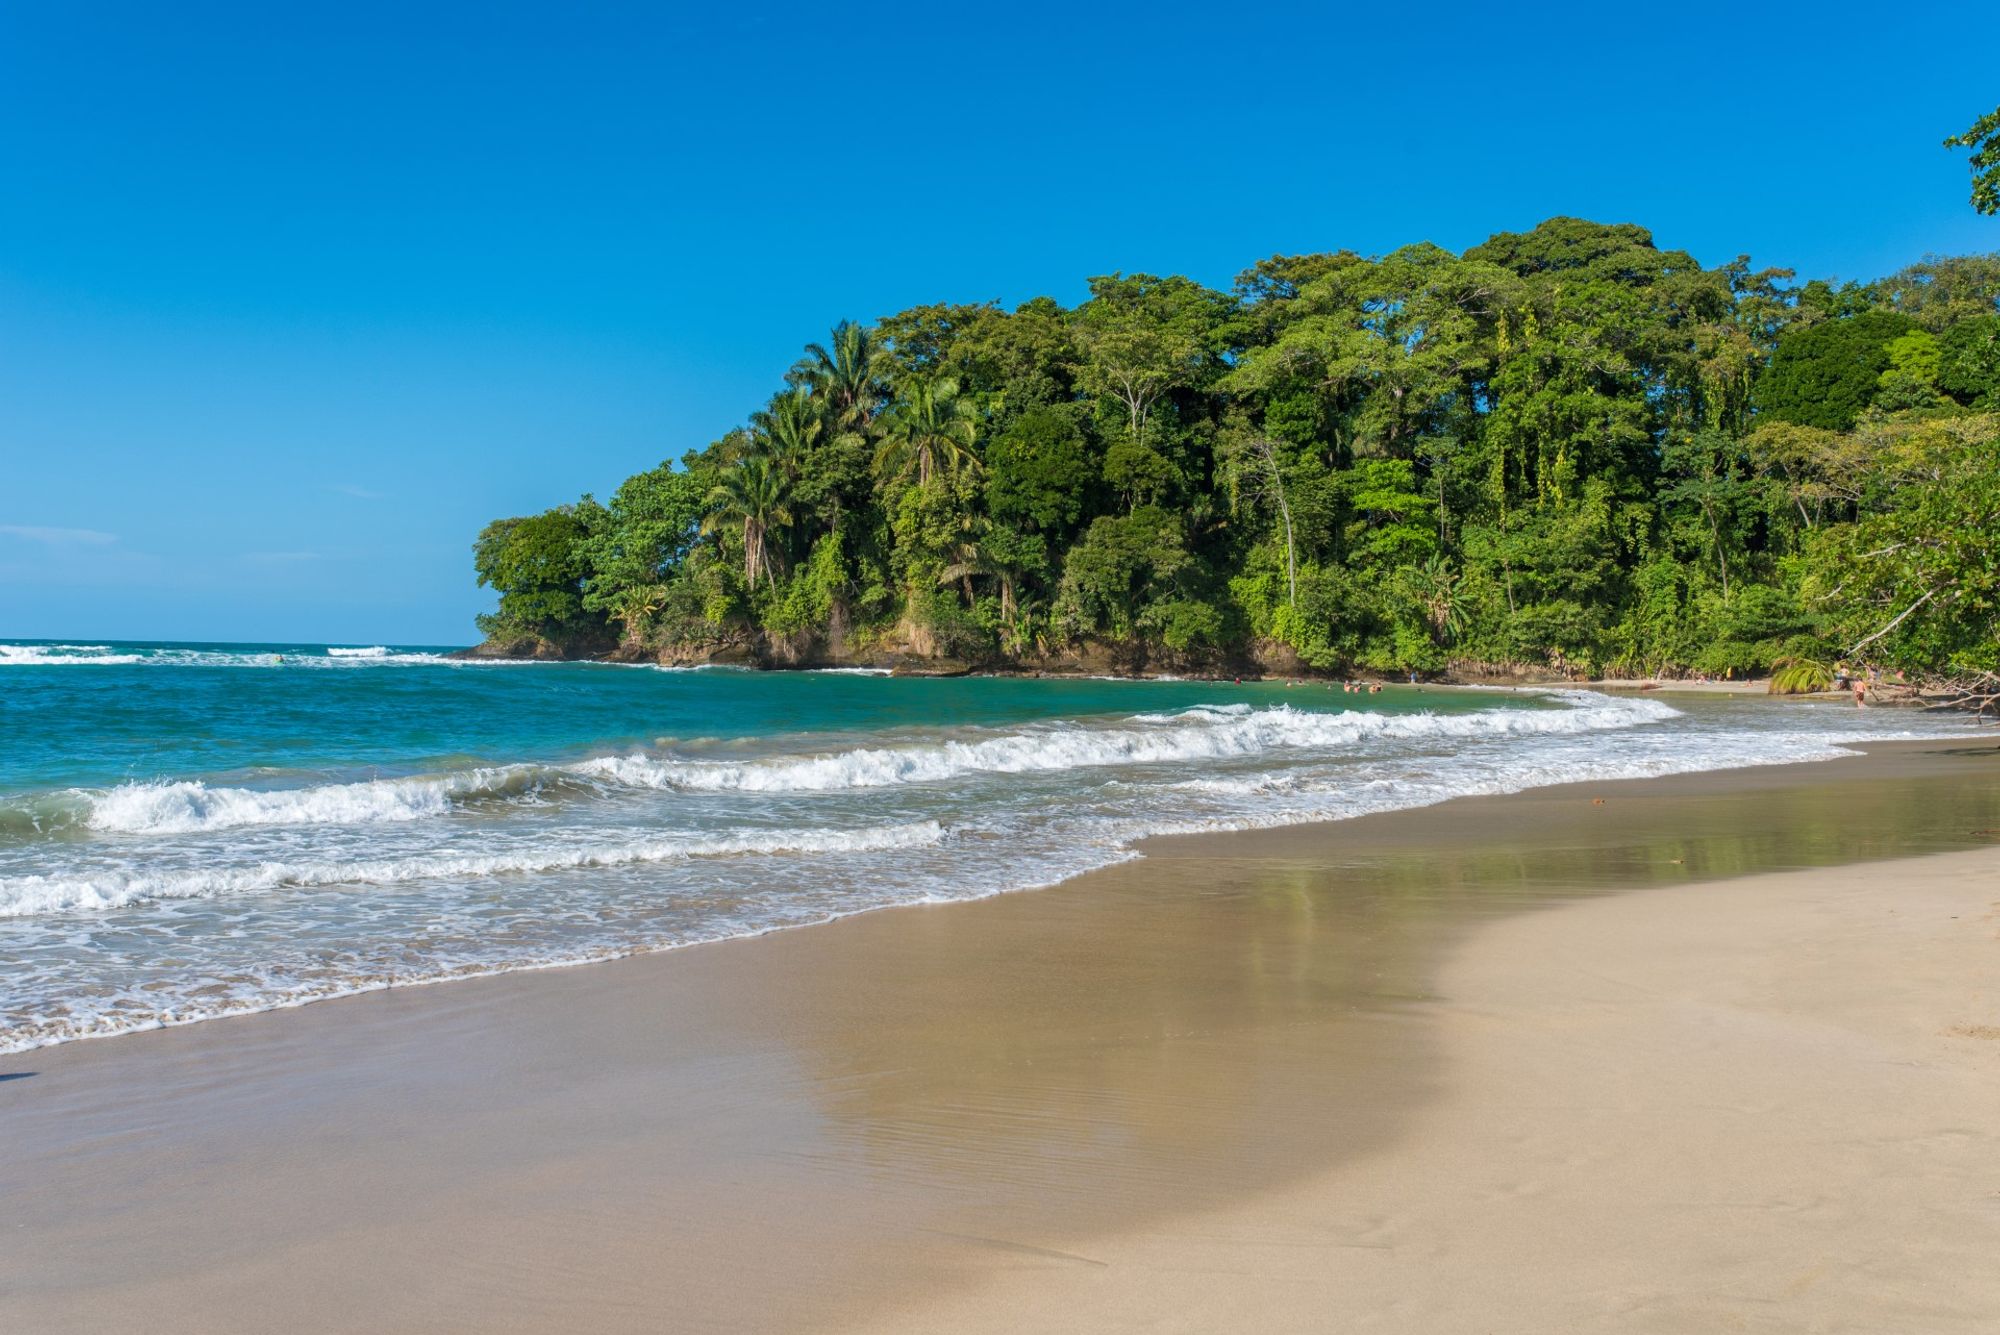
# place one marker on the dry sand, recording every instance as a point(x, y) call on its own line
point(1412, 1072)
point(1678, 686)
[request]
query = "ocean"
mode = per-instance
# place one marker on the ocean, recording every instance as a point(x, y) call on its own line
point(190, 831)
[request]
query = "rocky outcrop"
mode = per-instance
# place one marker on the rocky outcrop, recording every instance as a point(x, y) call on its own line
point(902, 655)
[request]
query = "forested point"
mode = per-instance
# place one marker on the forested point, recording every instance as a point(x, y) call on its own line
point(1565, 452)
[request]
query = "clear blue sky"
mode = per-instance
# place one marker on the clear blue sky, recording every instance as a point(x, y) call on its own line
point(294, 297)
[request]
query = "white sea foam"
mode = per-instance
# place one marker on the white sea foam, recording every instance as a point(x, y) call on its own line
point(1209, 733)
point(23, 896)
point(104, 655)
point(1202, 733)
point(188, 806)
point(48, 655)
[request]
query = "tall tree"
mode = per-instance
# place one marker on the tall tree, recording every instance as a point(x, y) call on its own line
point(787, 430)
point(1391, 345)
point(930, 429)
point(848, 373)
point(647, 531)
point(1256, 474)
point(756, 495)
point(538, 564)
point(1144, 336)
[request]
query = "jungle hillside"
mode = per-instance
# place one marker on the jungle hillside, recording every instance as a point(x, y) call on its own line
point(1567, 451)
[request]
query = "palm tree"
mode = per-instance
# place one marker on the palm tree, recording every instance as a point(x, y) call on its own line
point(845, 375)
point(1438, 591)
point(1799, 676)
point(972, 556)
point(787, 430)
point(1024, 632)
point(756, 493)
point(930, 429)
point(968, 558)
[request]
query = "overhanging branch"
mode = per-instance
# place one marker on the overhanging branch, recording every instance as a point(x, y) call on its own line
point(1857, 646)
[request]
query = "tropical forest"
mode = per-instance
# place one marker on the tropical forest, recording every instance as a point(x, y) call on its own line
point(1565, 452)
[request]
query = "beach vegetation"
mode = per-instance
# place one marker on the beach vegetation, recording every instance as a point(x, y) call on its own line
point(1800, 676)
point(1565, 450)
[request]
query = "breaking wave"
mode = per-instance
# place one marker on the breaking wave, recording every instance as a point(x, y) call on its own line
point(189, 805)
point(47, 655)
point(21, 896)
point(1204, 733)
point(105, 655)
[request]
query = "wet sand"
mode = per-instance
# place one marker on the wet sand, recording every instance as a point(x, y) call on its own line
point(1183, 1093)
point(1769, 1104)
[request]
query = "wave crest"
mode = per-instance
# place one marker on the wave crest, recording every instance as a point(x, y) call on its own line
point(1202, 733)
point(1206, 732)
point(47, 655)
point(22, 896)
point(104, 655)
point(190, 806)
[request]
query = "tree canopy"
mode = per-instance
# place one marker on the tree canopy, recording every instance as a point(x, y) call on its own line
point(1566, 448)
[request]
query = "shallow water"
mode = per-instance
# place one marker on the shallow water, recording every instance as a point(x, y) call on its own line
point(198, 830)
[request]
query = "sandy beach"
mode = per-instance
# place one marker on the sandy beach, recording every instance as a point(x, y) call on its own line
point(1770, 1104)
point(1711, 1052)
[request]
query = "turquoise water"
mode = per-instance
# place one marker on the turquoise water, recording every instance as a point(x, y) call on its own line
point(196, 830)
point(296, 708)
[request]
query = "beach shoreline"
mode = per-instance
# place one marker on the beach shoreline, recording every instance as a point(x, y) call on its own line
point(838, 1122)
point(903, 663)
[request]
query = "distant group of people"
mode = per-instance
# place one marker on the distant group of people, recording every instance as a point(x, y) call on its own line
point(1350, 687)
point(1860, 680)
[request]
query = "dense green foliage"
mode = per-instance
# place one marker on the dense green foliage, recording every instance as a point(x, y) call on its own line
point(1828, 374)
point(539, 563)
point(1566, 448)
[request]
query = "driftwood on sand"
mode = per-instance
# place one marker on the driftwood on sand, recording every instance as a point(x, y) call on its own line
point(1976, 693)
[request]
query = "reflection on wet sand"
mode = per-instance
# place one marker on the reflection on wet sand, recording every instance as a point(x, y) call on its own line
point(1204, 1021)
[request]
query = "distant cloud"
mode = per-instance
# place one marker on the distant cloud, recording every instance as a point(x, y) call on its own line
point(58, 537)
point(358, 493)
